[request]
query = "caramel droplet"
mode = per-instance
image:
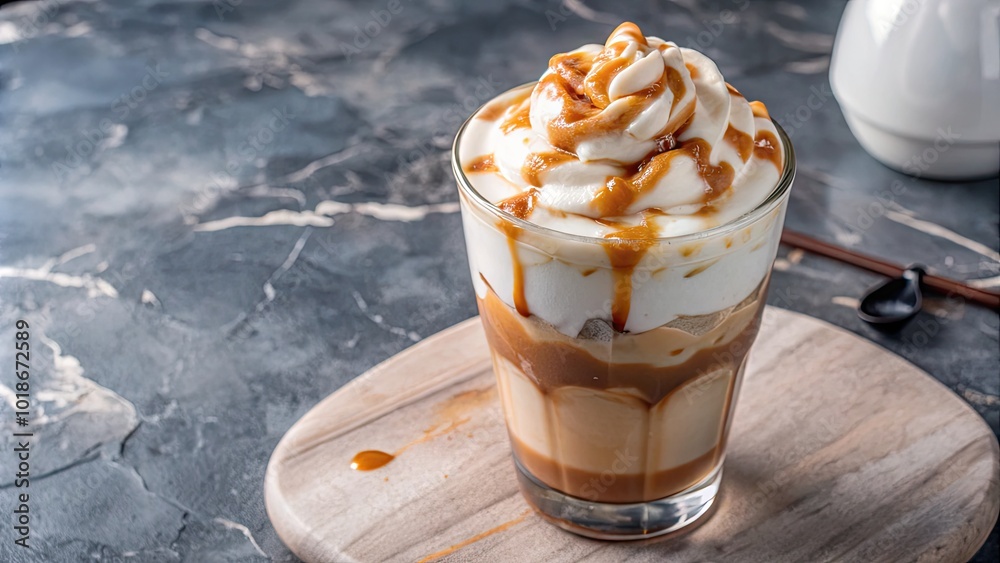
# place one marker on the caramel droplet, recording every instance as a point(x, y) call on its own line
point(766, 148)
point(481, 164)
point(759, 110)
point(370, 459)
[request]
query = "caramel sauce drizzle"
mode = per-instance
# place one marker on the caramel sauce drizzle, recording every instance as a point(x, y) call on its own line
point(582, 87)
point(572, 68)
point(719, 178)
point(605, 68)
point(625, 248)
point(742, 142)
point(676, 84)
point(536, 163)
point(681, 118)
point(451, 414)
point(496, 108)
point(370, 460)
point(691, 249)
point(759, 110)
point(633, 31)
point(519, 118)
point(699, 269)
point(620, 192)
point(766, 148)
point(517, 271)
point(521, 207)
point(581, 120)
point(481, 164)
point(706, 211)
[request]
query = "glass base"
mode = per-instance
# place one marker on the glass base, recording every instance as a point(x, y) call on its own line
point(608, 521)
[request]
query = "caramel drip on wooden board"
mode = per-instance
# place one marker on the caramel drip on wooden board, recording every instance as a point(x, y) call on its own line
point(369, 460)
point(495, 530)
point(451, 413)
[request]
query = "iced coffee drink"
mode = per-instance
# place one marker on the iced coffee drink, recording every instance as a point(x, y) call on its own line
point(621, 216)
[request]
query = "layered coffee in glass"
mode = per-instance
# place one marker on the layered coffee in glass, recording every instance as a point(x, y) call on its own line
point(621, 217)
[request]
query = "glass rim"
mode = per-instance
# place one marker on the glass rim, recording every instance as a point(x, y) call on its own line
point(772, 200)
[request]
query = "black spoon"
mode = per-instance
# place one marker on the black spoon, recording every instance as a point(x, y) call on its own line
point(890, 305)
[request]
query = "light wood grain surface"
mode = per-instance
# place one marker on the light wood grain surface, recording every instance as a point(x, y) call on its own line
point(839, 451)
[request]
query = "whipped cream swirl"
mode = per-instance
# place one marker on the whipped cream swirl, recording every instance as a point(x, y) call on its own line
point(628, 143)
point(636, 126)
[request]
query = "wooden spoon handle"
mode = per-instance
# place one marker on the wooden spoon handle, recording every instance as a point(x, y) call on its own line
point(939, 284)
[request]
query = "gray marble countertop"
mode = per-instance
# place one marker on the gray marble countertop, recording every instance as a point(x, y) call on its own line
point(161, 164)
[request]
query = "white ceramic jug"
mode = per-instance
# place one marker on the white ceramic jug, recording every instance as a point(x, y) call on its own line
point(919, 84)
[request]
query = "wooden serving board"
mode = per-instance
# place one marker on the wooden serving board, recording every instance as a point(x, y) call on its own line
point(839, 451)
